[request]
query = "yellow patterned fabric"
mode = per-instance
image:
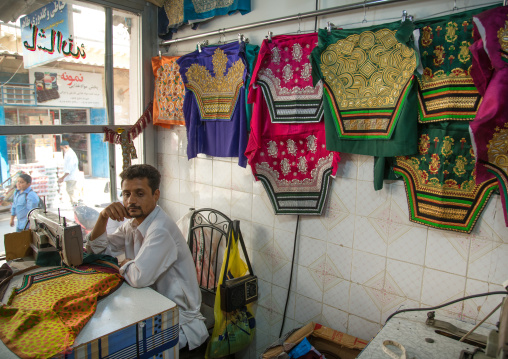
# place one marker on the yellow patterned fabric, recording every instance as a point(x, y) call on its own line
point(44, 316)
point(169, 92)
point(216, 95)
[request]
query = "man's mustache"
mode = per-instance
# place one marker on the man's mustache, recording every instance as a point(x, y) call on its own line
point(133, 207)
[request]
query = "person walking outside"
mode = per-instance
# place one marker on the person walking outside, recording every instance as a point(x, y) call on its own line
point(24, 200)
point(70, 170)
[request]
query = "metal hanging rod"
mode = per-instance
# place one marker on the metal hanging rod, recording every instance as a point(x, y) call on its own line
point(300, 16)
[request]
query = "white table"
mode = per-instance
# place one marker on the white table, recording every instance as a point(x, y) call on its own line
point(125, 307)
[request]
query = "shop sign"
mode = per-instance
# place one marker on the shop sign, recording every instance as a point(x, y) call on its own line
point(66, 88)
point(47, 35)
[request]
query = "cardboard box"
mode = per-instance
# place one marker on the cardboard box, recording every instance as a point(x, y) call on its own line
point(17, 244)
point(332, 343)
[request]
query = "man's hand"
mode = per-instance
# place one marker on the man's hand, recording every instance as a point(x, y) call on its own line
point(60, 179)
point(115, 211)
point(12, 221)
point(124, 261)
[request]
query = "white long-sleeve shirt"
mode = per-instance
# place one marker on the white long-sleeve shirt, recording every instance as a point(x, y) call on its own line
point(162, 260)
point(70, 165)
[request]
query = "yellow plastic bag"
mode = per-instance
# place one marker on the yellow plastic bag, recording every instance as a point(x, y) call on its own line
point(233, 331)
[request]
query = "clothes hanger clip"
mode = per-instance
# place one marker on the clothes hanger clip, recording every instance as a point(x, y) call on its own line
point(160, 55)
point(329, 26)
point(269, 36)
point(455, 8)
point(299, 23)
point(245, 39)
point(411, 18)
point(404, 15)
point(199, 46)
point(240, 38)
point(364, 13)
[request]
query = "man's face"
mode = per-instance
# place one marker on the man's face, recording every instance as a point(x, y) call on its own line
point(138, 198)
point(64, 148)
point(21, 184)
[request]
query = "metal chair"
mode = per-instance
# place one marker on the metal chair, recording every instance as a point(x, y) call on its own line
point(207, 238)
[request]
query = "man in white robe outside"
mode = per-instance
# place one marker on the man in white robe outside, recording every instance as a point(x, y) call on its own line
point(156, 254)
point(70, 169)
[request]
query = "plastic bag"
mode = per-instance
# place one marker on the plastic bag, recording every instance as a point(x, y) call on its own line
point(235, 330)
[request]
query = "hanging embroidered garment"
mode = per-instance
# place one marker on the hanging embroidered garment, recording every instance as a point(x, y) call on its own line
point(204, 9)
point(169, 92)
point(446, 91)
point(489, 130)
point(289, 156)
point(283, 71)
point(368, 89)
point(44, 316)
point(440, 179)
point(214, 103)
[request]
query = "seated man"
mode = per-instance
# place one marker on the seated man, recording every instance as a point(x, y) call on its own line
point(156, 254)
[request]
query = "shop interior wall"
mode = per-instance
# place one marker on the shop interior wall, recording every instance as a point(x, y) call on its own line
point(362, 259)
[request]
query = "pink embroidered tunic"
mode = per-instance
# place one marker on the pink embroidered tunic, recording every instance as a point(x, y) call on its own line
point(489, 130)
point(287, 147)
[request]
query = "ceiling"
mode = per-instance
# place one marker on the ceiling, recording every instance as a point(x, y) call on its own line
point(10, 10)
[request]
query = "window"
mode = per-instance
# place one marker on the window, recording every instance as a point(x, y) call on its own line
point(65, 100)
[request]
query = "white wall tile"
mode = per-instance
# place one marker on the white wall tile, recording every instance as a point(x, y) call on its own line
point(221, 200)
point(410, 246)
point(204, 171)
point(343, 232)
point(186, 169)
point(340, 258)
point(338, 295)
point(368, 236)
point(203, 195)
point(242, 179)
point(366, 168)
point(364, 304)
point(406, 277)
point(347, 167)
point(313, 226)
point(368, 200)
point(440, 287)
point(369, 268)
point(335, 319)
point(308, 285)
point(187, 193)
point(447, 253)
point(221, 174)
point(261, 211)
point(361, 328)
point(306, 309)
point(241, 205)
point(309, 250)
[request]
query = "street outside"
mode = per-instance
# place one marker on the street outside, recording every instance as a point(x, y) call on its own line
point(93, 196)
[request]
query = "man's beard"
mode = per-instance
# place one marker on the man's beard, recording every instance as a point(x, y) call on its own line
point(138, 215)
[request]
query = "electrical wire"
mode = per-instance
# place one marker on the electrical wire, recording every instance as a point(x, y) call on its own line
point(444, 304)
point(290, 278)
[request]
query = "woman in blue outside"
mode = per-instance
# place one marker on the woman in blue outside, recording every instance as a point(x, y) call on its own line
point(24, 200)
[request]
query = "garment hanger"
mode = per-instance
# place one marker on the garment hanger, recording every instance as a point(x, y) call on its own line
point(455, 8)
point(269, 36)
point(299, 31)
point(329, 26)
point(364, 13)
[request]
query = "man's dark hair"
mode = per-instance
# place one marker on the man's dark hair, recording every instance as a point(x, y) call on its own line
point(143, 171)
point(26, 177)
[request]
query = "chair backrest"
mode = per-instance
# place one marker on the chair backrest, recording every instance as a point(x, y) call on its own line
point(208, 235)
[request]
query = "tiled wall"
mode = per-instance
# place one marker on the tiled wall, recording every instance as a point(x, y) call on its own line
point(354, 265)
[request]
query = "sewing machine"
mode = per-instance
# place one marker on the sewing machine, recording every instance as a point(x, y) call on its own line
point(50, 232)
point(419, 335)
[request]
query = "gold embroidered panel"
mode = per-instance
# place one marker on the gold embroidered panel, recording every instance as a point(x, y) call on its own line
point(216, 95)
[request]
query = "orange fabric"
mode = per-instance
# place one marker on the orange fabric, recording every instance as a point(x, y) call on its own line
point(169, 92)
point(44, 316)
